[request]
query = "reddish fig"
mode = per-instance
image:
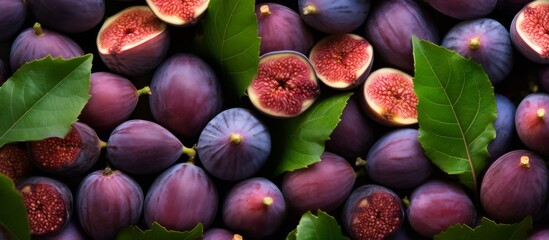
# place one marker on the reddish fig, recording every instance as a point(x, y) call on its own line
point(342, 16)
point(68, 15)
point(15, 162)
point(179, 13)
point(532, 122)
point(528, 31)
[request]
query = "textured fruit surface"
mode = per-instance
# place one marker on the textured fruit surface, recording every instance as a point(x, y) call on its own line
point(71, 231)
point(539, 234)
point(342, 16)
point(464, 9)
point(285, 85)
point(504, 126)
point(220, 234)
point(532, 122)
point(528, 31)
point(179, 13)
point(14, 13)
point(68, 15)
point(234, 145)
point(15, 162)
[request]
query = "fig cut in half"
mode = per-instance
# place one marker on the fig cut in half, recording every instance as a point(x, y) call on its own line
point(342, 61)
point(528, 31)
point(178, 12)
point(285, 85)
point(389, 97)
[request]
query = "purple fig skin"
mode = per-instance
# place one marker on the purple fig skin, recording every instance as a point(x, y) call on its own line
point(539, 234)
point(220, 234)
point(527, 31)
point(330, 181)
point(464, 9)
point(186, 95)
point(281, 28)
point(486, 41)
point(342, 16)
point(68, 15)
point(107, 201)
point(504, 126)
point(181, 197)
point(532, 122)
point(405, 18)
point(517, 180)
point(71, 231)
point(38, 42)
point(234, 145)
point(14, 13)
point(4, 75)
point(254, 207)
point(140, 146)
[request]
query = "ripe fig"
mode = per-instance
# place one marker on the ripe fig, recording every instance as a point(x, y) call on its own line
point(107, 201)
point(372, 212)
point(234, 145)
point(49, 204)
point(464, 9)
point(342, 61)
point(220, 234)
point(504, 126)
point(281, 28)
point(532, 122)
point(179, 13)
point(342, 16)
point(539, 234)
point(133, 41)
point(518, 180)
point(14, 14)
point(68, 15)
point(389, 97)
point(186, 94)
point(71, 231)
point(15, 162)
point(528, 31)
point(285, 85)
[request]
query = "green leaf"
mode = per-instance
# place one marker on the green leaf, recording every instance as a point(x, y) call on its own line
point(488, 229)
point(43, 98)
point(160, 233)
point(299, 141)
point(456, 110)
point(13, 213)
point(321, 227)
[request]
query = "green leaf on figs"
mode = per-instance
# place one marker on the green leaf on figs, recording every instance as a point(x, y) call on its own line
point(161, 233)
point(43, 98)
point(321, 227)
point(299, 141)
point(488, 229)
point(13, 213)
point(456, 110)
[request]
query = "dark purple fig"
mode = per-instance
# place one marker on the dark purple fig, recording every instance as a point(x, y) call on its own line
point(281, 28)
point(186, 94)
point(220, 234)
point(133, 41)
point(14, 14)
point(532, 122)
point(372, 212)
point(342, 61)
point(486, 41)
point(342, 16)
point(323, 185)
point(234, 145)
point(179, 13)
point(464, 9)
point(4, 75)
point(107, 201)
point(254, 207)
point(405, 18)
point(71, 231)
point(15, 162)
point(504, 126)
point(528, 31)
point(397, 160)
point(515, 186)
point(180, 198)
point(68, 15)
point(49, 204)
point(38, 42)
point(71, 155)
point(436, 205)
point(285, 85)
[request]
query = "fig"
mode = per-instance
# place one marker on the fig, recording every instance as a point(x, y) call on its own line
point(254, 207)
point(108, 200)
point(281, 28)
point(49, 204)
point(504, 126)
point(388, 97)
point(532, 122)
point(342, 16)
point(15, 162)
point(539, 234)
point(528, 31)
point(464, 9)
point(220, 234)
point(517, 180)
point(71, 231)
point(14, 14)
point(186, 94)
point(486, 41)
point(181, 197)
point(71, 155)
point(67, 15)
point(342, 61)
point(179, 13)
point(133, 41)
point(285, 85)
point(38, 42)
point(234, 145)
point(372, 212)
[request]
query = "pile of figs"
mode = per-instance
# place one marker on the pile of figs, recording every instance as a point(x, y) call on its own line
point(158, 142)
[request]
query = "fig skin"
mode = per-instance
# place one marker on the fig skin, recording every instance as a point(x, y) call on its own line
point(14, 14)
point(220, 234)
point(532, 122)
point(504, 126)
point(67, 15)
point(186, 95)
point(539, 234)
point(530, 44)
point(464, 9)
point(71, 231)
point(517, 180)
point(342, 16)
point(108, 201)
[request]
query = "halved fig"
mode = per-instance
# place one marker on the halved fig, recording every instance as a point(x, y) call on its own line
point(134, 41)
point(285, 85)
point(342, 61)
point(177, 12)
point(529, 31)
point(389, 98)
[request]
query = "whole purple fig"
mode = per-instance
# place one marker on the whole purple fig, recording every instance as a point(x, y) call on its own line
point(464, 9)
point(342, 16)
point(532, 122)
point(14, 13)
point(504, 126)
point(68, 15)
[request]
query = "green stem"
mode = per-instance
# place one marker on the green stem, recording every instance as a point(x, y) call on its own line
point(38, 31)
point(190, 152)
point(144, 90)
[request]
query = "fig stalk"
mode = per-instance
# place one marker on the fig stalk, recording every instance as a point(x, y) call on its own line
point(525, 162)
point(474, 43)
point(38, 31)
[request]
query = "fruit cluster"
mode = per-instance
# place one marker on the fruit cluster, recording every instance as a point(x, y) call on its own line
point(160, 142)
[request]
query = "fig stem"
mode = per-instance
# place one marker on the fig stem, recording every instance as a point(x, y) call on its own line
point(235, 138)
point(525, 162)
point(540, 113)
point(474, 43)
point(38, 31)
point(102, 144)
point(237, 237)
point(359, 173)
point(406, 201)
point(264, 10)
point(309, 9)
point(108, 171)
point(190, 152)
point(360, 162)
point(144, 90)
point(267, 201)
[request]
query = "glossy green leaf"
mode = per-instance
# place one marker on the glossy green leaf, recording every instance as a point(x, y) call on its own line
point(321, 227)
point(456, 110)
point(13, 213)
point(488, 229)
point(160, 233)
point(43, 98)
